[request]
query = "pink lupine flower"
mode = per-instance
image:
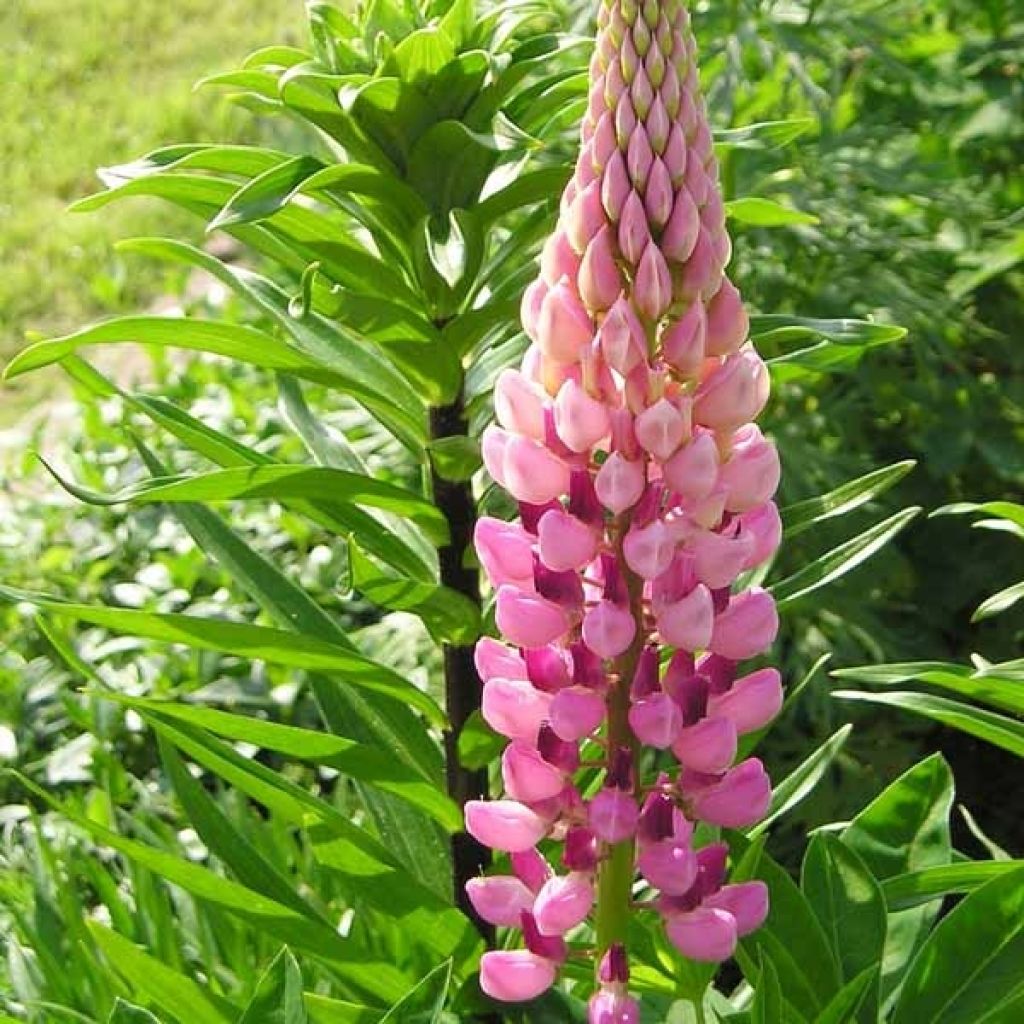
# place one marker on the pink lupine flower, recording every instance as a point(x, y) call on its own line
point(645, 493)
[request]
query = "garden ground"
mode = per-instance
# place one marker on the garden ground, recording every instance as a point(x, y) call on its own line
point(125, 71)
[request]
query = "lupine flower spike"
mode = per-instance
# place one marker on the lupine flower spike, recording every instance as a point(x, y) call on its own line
point(645, 492)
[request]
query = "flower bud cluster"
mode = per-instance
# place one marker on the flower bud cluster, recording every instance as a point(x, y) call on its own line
point(645, 495)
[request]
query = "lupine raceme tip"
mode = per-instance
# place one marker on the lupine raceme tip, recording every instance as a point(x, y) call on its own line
point(645, 494)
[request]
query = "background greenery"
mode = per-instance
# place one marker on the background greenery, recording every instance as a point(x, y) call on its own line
point(909, 160)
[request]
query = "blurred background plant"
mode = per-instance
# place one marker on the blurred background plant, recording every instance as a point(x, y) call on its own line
point(891, 190)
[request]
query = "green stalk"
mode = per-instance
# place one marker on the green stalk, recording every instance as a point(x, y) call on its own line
point(615, 875)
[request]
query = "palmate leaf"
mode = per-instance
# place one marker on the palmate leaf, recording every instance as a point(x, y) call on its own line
point(395, 541)
point(359, 968)
point(276, 646)
point(375, 878)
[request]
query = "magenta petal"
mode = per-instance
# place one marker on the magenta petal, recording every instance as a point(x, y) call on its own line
point(499, 899)
point(746, 901)
point(576, 712)
point(706, 934)
point(505, 825)
point(515, 975)
point(563, 903)
point(608, 629)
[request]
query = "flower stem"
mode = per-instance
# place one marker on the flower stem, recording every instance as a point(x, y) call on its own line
point(615, 878)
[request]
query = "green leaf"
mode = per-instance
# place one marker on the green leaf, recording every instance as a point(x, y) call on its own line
point(846, 1004)
point(763, 134)
point(479, 744)
point(791, 938)
point(848, 902)
point(389, 725)
point(844, 499)
point(999, 603)
point(450, 617)
point(455, 458)
point(905, 829)
point(360, 368)
point(278, 998)
point(276, 646)
point(969, 969)
point(917, 887)
point(1007, 733)
point(332, 1011)
point(424, 1003)
point(765, 213)
point(995, 260)
point(126, 1013)
point(236, 341)
point(842, 559)
point(360, 967)
point(261, 196)
point(987, 686)
point(767, 1006)
point(172, 993)
point(355, 760)
point(782, 327)
point(1007, 510)
point(276, 482)
point(420, 55)
point(801, 782)
point(225, 841)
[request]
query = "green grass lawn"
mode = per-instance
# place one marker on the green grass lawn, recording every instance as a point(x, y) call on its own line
point(88, 83)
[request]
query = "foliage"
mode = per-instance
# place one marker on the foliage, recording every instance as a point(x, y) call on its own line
point(255, 757)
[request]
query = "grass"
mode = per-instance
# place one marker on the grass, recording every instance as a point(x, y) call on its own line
point(89, 83)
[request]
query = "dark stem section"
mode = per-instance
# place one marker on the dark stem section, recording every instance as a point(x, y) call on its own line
point(462, 684)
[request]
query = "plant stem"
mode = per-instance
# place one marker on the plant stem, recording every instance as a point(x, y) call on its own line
point(461, 682)
point(615, 877)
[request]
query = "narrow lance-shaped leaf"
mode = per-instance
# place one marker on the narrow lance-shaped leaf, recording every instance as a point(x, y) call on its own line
point(918, 887)
point(354, 760)
point(842, 559)
point(276, 482)
point(278, 998)
point(387, 724)
point(276, 646)
point(800, 783)
point(172, 993)
point(844, 499)
point(359, 967)
point(1001, 731)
